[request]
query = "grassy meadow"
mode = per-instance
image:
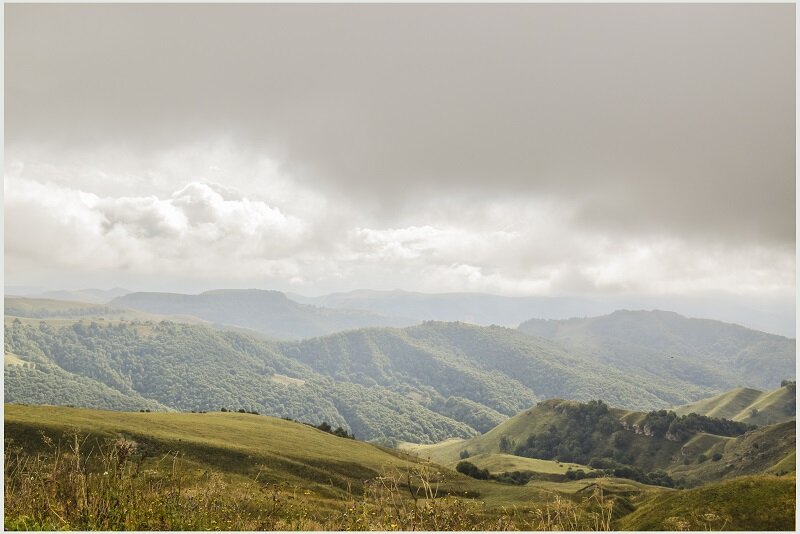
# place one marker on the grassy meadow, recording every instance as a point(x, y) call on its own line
point(81, 469)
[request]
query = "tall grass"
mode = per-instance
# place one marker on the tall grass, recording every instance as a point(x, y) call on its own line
point(117, 484)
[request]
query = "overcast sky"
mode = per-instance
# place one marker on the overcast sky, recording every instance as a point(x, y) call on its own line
point(518, 149)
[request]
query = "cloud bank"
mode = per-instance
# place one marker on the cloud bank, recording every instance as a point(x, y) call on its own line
point(517, 149)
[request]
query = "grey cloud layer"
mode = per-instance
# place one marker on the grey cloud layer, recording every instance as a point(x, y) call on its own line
point(205, 235)
point(516, 148)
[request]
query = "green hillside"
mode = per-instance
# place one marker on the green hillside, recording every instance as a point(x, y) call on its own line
point(231, 471)
point(499, 368)
point(267, 312)
point(63, 312)
point(188, 367)
point(232, 442)
point(705, 458)
point(599, 441)
point(692, 356)
point(244, 471)
point(421, 384)
point(617, 441)
point(749, 503)
point(40, 307)
point(748, 405)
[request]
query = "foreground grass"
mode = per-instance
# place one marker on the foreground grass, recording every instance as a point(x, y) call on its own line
point(747, 503)
point(112, 485)
point(79, 469)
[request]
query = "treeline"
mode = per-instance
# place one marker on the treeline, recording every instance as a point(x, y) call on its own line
point(584, 429)
point(654, 478)
point(172, 366)
point(43, 312)
point(667, 424)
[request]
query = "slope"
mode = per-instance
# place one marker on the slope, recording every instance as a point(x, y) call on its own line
point(760, 312)
point(423, 383)
point(267, 312)
point(614, 439)
point(190, 367)
point(245, 447)
point(755, 503)
point(690, 357)
point(748, 405)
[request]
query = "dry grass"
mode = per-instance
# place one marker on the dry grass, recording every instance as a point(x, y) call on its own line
point(115, 484)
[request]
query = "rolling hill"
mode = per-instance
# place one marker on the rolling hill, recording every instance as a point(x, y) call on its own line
point(270, 313)
point(754, 503)
point(89, 296)
point(423, 383)
point(696, 356)
point(292, 476)
point(57, 311)
point(48, 308)
point(611, 438)
point(748, 405)
point(243, 471)
point(761, 312)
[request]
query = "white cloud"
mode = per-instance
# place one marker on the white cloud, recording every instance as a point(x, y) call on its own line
point(224, 217)
point(196, 230)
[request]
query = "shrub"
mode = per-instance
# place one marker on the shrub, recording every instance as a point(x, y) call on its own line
point(472, 470)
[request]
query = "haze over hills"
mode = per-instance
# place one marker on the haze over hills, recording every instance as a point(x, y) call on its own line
point(761, 313)
point(269, 312)
point(421, 383)
point(408, 307)
point(665, 346)
point(91, 295)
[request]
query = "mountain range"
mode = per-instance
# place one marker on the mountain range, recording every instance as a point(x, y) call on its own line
point(420, 383)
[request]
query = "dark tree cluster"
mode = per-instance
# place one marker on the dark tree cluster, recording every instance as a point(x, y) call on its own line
point(587, 427)
point(472, 470)
point(663, 423)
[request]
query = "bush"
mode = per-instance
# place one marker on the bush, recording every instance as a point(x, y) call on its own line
point(472, 470)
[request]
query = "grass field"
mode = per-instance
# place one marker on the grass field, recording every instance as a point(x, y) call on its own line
point(748, 503)
point(198, 471)
point(499, 462)
point(747, 405)
point(247, 445)
point(12, 359)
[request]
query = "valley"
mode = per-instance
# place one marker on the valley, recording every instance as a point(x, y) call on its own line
point(488, 418)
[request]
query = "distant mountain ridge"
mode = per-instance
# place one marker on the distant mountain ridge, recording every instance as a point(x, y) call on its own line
point(268, 312)
point(90, 295)
point(692, 354)
point(761, 313)
point(420, 383)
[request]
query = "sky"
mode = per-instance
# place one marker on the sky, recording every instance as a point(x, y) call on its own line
point(515, 149)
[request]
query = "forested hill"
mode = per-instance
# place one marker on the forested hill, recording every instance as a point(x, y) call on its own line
point(657, 447)
point(422, 383)
point(693, 355)
point(267, 312)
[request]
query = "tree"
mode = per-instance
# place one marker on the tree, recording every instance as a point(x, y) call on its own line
point(506, 444)
point(472, 470)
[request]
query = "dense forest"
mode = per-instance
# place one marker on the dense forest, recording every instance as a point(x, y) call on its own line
point(670, 351)
point(422, 383)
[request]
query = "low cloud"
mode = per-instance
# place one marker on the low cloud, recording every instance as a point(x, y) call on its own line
point(259, 226)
